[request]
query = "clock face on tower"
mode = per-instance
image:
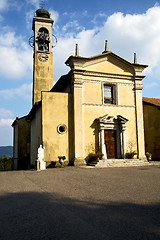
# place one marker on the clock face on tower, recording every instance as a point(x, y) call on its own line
point(43, 57)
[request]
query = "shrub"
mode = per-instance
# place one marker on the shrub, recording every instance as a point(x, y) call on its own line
point(6, 163)
point(93, 157)
point(131, 154)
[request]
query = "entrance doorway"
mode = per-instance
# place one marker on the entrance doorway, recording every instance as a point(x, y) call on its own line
point(110, 143)
point(112, 136)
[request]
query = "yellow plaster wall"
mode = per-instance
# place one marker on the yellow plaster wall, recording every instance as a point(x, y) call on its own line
point(43, 76)
point(36, 134)
point(152, 130)
point(92, 92)
point(126, 95)
point(112, 66)
point(93, 106)
point(15, 141)
point(78, 122)
point(23, 137)
point(21, 143)
point(55, 112)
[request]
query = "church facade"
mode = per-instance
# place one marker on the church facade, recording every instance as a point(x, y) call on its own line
point(96, 107)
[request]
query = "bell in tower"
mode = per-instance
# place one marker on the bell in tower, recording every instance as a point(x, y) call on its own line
point(43, 61)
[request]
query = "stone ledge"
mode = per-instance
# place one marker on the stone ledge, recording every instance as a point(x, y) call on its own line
point(122, 163)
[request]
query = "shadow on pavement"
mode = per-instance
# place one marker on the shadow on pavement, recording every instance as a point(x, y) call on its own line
point(50, 216)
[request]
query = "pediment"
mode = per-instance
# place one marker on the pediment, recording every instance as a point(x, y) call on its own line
point(110, 119)
point(108, 63)
point(107, 119)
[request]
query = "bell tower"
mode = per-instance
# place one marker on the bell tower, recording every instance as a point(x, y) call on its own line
point(43, 61)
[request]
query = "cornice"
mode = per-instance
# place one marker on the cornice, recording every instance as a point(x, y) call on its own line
point(139, 78)
point(108, 80)
point(108, 105)
point(126, 84)
point(138, 86)
point(102, 75)
point(78, 84)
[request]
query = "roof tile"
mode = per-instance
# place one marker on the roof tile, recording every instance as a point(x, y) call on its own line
point(153, 101)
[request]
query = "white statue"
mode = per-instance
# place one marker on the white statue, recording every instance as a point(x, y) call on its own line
point(41, 157)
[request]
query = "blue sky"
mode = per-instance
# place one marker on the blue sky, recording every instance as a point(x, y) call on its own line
point(129, 26)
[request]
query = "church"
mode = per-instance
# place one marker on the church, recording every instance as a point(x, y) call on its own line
point(95, 107)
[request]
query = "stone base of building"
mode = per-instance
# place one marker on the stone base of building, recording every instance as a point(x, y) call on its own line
point(144, 158)
point(15, 163)
point(79, 162)
point(56, 164)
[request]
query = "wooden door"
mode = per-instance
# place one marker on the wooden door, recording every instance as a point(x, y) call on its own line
point(110, 142)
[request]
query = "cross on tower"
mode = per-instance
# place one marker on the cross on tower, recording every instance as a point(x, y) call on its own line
point(42, 4)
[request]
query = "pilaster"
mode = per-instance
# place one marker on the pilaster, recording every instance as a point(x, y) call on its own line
point(139, 120)
point(78, 123)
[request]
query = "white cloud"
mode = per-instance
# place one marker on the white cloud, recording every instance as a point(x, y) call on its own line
point(70, 14)
point(4, 113)
point(23, 91)
point(9, 39)
point(85, 13)
point(16, 56)
point(98, 17)
point(4, 4)
point(136, 33)
point(29, 18)
point(72, 25)
point(7, 4)
point(34, 3)
point(54, 15)
point(1, 18)
point(6, 122)
point(149, 85)
point(126, 34)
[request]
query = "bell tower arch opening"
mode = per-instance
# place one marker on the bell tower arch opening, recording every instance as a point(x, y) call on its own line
point(43, 39)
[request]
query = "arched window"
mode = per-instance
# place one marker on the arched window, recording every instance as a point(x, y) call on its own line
point(43, 39)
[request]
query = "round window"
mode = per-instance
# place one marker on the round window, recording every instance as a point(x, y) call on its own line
point(61, 128)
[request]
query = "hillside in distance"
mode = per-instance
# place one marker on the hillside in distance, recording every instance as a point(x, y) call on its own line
point(6, 151)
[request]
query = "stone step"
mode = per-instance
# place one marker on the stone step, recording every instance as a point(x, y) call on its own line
point(93, 163)
point(122, 162)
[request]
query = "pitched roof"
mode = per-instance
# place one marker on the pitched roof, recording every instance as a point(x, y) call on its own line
point(105, 53)
point(31, 114)
point(17, 119)
point(62, 83)
point(152, 101)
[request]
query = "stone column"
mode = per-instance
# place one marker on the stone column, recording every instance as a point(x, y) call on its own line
point(122, 128)
point(118, 140)
point(123, 143)
point(103, 146)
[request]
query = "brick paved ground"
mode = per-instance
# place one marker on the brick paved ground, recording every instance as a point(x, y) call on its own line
point(81, 203)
